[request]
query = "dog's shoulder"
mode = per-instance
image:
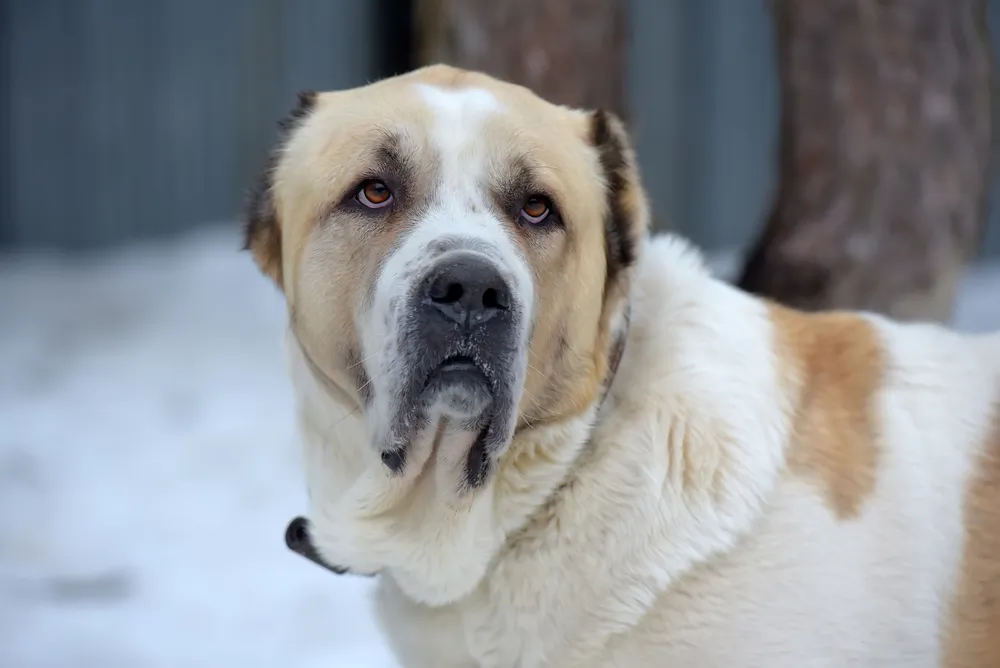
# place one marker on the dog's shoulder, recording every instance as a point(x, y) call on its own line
point(876, 431)
point(905, 419)
point(839, 396)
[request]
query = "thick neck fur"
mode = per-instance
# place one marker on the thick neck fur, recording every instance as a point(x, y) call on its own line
point(615, 506)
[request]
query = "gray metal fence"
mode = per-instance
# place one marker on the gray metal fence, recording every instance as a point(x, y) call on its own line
point(129, 119)
point(705, 105)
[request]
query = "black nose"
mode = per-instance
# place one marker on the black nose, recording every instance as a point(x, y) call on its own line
point(298, 540)
point(467, 289)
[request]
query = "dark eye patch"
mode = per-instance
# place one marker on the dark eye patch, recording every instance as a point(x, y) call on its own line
point(513, 187)
point(390, 164)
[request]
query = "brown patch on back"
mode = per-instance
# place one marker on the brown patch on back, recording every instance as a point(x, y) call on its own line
point(833, 365)
point(972, 635)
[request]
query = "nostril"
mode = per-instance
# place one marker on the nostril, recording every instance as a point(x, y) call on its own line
point(494, 299)
point(447, 293)
point(467, 291)
point(454, 292)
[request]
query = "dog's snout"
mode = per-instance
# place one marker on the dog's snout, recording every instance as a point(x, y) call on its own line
point(467, 289)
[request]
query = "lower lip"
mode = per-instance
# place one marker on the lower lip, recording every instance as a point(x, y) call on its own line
point(459, 365)
point(458, 371)
point(461, 371)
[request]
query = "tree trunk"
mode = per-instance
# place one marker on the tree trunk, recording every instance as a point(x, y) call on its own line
point(571, 52)
point(886, 140)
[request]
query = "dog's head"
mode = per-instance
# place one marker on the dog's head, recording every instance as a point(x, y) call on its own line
point(454, 252)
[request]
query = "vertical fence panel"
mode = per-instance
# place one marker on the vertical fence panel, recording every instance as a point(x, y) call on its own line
point(128, 119)
point(6, 124)
point(704, 91)
point(991, 245)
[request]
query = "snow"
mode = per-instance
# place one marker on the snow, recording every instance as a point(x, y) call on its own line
point(148, 470)
point(148, 467)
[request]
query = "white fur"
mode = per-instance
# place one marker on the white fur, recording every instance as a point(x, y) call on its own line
point(666, 553)
point(680, 541)
point(461, 209)
point(350, 499)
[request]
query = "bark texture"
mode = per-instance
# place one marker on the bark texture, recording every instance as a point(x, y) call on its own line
point(886, 141)
point(571, 52)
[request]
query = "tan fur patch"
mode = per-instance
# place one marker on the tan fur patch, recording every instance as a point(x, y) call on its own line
point(972, 637)
point(832, 367)
point(265, 244)
point(328, 256)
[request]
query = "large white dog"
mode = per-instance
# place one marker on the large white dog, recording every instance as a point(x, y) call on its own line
point(561, 443)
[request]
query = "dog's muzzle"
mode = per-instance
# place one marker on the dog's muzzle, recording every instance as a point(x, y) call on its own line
point(461, 322)
point(459, 345)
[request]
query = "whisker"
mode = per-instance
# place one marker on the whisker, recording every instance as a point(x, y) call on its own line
point(367, 383)
point(336, 423)
point(333, 425)
point(362, 361)
point(543, 413)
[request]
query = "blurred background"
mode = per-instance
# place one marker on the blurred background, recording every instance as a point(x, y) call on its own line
point(826, 154)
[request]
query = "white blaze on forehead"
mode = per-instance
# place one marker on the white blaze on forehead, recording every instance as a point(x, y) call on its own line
point(459, 117)
point(461, 205)
point(455, 104)
point(460, 210)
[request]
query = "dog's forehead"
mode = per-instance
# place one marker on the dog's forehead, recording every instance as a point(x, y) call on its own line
point(453, 105)
point(474, 121)
point(454, 110)
point(461, 120)
point(456, 129)
point(455, 95)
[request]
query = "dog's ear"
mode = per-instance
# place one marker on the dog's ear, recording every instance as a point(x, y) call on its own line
point(626, 222)
point(262, 232)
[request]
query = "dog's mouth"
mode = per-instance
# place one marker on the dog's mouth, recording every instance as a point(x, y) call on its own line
point(457, 370)
point(458, 386)
point(299, 540)
point(459, 363)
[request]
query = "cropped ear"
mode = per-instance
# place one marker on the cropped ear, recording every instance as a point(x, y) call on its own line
point(262, 232)
point(626, 221)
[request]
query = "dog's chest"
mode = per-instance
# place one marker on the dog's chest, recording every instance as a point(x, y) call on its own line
point(518, 618)
point(479, 632)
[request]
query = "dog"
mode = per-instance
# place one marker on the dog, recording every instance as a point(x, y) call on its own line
point(558, 440)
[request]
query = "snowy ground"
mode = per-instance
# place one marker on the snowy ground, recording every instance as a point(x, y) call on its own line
point(147, 472)
point(147, 468)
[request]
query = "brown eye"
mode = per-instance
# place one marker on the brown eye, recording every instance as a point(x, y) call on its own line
point(374, 195)
point(536, 209)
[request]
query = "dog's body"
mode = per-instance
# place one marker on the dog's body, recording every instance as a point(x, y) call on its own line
point(679, 473)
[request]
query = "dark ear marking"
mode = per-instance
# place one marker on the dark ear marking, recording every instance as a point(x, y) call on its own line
point(307, 102)
point(262, 232)
point(626, 222)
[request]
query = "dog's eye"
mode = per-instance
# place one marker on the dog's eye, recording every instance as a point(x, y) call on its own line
point(374, 195)
point(536, 209)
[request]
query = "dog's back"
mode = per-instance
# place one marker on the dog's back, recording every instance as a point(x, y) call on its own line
point(880, 545)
